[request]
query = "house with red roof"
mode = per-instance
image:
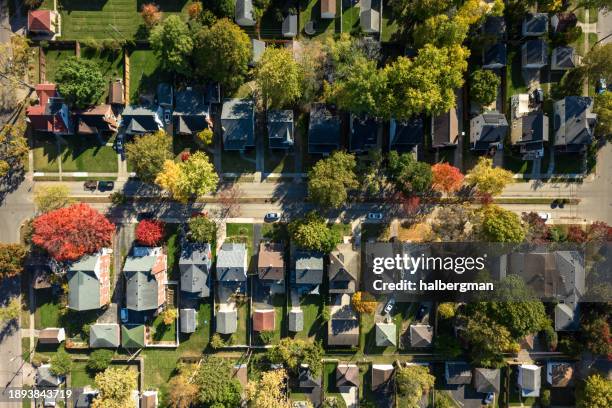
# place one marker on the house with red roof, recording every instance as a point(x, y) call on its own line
point(44, 23)
point(51, 114)
point(96, 120)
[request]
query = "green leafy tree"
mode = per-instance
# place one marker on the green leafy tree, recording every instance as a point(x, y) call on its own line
point(447, 310)
point(420, 9)
point(313, 233)
point(61, 363)
point(278, 77)
point(115, 386)
point(217, 385)
point(80, 81)
point(293, 352)
point(597, 393)
point(331, 178)
point(409, 175)
point(99, 360)
point(217, 342)
point(205, 137)
point(12, 257)
point(447, 346)
point(14, 65)
point(362, 90)
point(202, 229)
point(603, 108)
point(192, 178)
point(488, 179)
point(483, 86)
point(172, 42)
point(594, 4)
point(13, 149)
point(11, 310)
point(413, 382)
point(501, 225)
point(441, 31)
point(51, 198)
point(488, 341)
point(596, 335)
point(597, 62)
point(223, 8)
point(222, 53)
point(148, 153)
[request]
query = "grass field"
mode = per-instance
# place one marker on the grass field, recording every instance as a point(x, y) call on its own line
point(350, 19)
point(86, 154)
point(45, 154)
point(47, 310)
point(80, 376)
point(163, 332)
point(240, 337)
point(197, 342)
point(145, 73)
point(53, 60)
point(311, 11)
point(244, 233)
point(314, 327)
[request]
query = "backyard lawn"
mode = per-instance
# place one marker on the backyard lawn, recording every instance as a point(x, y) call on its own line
point(350, 19)
point(514, 77)
point(329, 384)
point(242, 233)
point(47, 310)
point(53, 60)
point(162, 332)
point(196, 343)
point(240, 337)
point(172, 250)
point(80, 376)
point(145, 73)
point(314, 327)
point(389, 25)
point(311, 11)
point(278, 301)
point(110, 64)
point(45, 154)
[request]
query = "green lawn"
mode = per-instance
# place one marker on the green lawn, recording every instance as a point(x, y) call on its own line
point(161, 331)
point(197, 342)
point(403, 314)
point(80, 376)
point(278, 161)
point(350, 19)
point(145, 73)
point(241, 233)
point(86, 154)
point(240, 336)
point(329, 384)
point(343, 228)
point(109, 19)
point(45, 154)
point(314, 327)
point(514, 78)
point(53, 60)
point(311, 10)
point(236, 162)
point(172, 250)
point(47, 310)
point(390, 25)
point(110, 64)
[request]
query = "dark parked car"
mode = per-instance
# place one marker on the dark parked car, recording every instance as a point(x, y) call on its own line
point(90, 185)
point(106, 185)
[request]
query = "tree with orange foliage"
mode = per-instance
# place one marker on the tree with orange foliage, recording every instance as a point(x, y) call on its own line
point(364, 302)
point(150, 14)
point(150, 232)
point(71, 232)
point(446, 178)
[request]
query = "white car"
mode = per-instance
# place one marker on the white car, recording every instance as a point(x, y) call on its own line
point(272, 217)
point(545, 216)
point(375, 216)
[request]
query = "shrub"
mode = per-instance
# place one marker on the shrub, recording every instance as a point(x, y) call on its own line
point(267, 336)
point(169, 316)
point(150, 14)
point(217, 342)
point(550, 338)
point(99, 360)
point(61, 363)
point(206, 137)
point(446, 310)
point(202, 229)
point(149, 232)
point(545, 398)
point(364, 302)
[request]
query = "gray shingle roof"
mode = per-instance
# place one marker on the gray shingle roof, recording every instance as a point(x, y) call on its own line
point(296, 320)
point(535, 24)
point(369, 20)
point(530, 377)
point(457, 372)
point(188, 319)
point(194, 264)
point(534, 54)
point(567, 317)
point(487, 129)
point(280, 129)
point(45, 378)
point(238, 123)
point(104, 335)
point(563, 58)
point(487, 380)
point(227, 321)
point(290, 25)
point(386, 334)
point(323, 130)
point(421, 335)
point(232, 262)
point(84, 284)
point(190, 112)
point(137, 119)
point(244, 11)
point(573, 121)
point(308, 267)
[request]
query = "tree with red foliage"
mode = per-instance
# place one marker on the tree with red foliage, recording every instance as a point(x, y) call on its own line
point(150, 232)
point(185, 156)
point(446, 178)
point(411, 205)
point(599, 231)
point(69, 233)
point(596, 334)
point(575, 233)
point(150, 14)
point(537, 230)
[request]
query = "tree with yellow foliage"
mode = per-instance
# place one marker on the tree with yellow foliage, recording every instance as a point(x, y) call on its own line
point(488, 179)
point(269, 391)
point(192, 178)
point(115, 386)
point(364, 302)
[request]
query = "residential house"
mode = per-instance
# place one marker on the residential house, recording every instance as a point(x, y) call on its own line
point(535, 24)
point(280, 129)
point(226, 321)
point(145, 279)
point(116, 92)
point(369, 18)
point(529, 380)
point(343, 325)
point(421, 335)
point(495, 26)
point(194, 263)
point(364, 133)
point(328, 9)
point(529, 128)
point(258, 48)
point(232, 265)
point(347, 375)
point(188, 320)
point(574, 123)
point(51, 335)
point(244, 13)
point(264, 320)
point(560, 374)
point(343, 270)
point(487, 380)
point(306, 378)
point(445, 129)
point(290, 25)
point(133, 336)
point(140, 119)
point(534, 54)
point(323, 129)
point(494, 56)
point(308, 271)
point(89, 282)
point(51, 114)
point(96, 121)
point(457, 373)
point(165, 95)
point(561, 22)
point(382, 376)
point(238, 124)
point(191, 113)
point(271, 263)
point(564, 58)
point(406, 135)
point(149, 399)
point(104, 335)
point(488, 130)
point(386, 334)
point(44, 23)
point(45, 377)
point(296, 320)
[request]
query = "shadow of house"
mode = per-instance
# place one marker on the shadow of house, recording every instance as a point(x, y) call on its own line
point(406, 135)
point(191, 113)
point(364, 133)
point(280, 129)
point(323, 129)
point(383, 384)
point(343, 326)
point(140, 119)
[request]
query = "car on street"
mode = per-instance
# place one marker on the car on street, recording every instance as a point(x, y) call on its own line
point(489, 398)
point(545, 216)
point(90, 185)
point(375, 216)
point(106, 185)
point(389, 306)
point(272, 217)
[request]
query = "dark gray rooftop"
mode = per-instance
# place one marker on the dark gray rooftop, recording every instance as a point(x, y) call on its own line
point(238, 123)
